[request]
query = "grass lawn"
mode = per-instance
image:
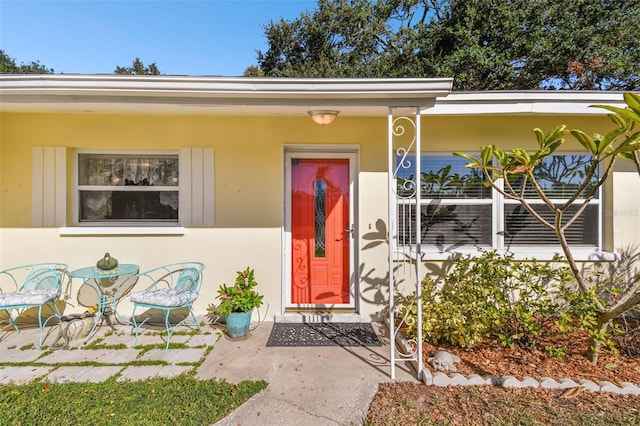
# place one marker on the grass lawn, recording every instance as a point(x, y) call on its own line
point(180, 400)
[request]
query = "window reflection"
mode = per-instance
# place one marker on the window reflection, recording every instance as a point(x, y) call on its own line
point(116, 187)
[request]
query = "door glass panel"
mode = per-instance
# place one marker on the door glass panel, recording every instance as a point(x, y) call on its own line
point(320, 197)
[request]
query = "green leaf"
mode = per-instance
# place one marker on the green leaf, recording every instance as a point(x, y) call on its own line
point(610, 138)
point(521, 156)
point(625, 112)
point(486, 154)
point(628, 148)
point(553, 146)
point(633, 100)
point(466, 156)
point(555, 134)
point(585, 140)
point(500, 155)
point(539, 135)
point(619, 121)
point(627, 156)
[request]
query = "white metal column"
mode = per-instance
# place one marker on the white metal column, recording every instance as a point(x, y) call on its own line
point(405, 257)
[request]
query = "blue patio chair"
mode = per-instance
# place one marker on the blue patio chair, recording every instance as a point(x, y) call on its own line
point(36, 286)
point(169, 288)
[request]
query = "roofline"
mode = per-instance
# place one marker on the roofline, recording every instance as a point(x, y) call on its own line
point(538, 102)
point(291, 96)
point(220, 90)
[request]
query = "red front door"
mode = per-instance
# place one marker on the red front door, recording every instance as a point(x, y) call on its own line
point(319, 231)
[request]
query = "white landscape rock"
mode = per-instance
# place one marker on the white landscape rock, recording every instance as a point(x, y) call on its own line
point(442, 360)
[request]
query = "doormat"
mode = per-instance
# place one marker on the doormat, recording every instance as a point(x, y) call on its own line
point(323, 334)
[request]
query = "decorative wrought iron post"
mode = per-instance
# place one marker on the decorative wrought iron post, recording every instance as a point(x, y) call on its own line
point(405, 233)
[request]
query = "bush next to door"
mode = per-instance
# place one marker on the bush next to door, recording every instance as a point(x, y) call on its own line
point(492, 295)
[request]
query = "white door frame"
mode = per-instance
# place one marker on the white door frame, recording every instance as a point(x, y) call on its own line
point(321, 151)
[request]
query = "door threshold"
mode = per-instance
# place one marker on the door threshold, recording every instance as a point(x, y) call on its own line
point(314, 317)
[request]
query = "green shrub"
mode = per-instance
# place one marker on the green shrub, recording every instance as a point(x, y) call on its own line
point(582, 314)
point(529, 302)
point(447, 317)
point(491, 295)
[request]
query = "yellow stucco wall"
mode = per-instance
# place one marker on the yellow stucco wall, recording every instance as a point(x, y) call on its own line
point(248, 150)
point(249, 176)
point(248, 153)
point(223, 251)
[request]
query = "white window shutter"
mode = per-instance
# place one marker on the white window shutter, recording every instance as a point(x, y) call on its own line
point(196, 187)
point(49, 186)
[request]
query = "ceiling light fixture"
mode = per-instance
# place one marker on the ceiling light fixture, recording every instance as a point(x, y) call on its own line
point(323, 117)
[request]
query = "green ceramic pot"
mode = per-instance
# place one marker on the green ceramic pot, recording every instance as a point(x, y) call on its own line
point(238, 324)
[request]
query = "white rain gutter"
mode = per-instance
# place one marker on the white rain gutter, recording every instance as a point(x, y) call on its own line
point(525, 102)
point(65, 88)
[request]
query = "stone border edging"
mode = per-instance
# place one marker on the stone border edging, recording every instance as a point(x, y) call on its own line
point(457, 379)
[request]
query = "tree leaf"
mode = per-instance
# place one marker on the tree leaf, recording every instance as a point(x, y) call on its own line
point(487, 154)
point(482, 43)
point(539, 135)
point(626, 112)
point(633, 100)
point(609, 138)
point(521, 156)
point(585, 140)
point(466, 156)
point(554, 134)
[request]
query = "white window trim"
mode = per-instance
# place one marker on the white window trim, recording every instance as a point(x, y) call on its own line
point(120, 225)
point(320, 151)
point(122, 230)
point(498, 201)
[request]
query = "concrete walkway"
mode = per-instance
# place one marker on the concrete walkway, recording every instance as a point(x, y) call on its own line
point(306, 385)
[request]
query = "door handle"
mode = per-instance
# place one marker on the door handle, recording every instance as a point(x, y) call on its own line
point(349, 230)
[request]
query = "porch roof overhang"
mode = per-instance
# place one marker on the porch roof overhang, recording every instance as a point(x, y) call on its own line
point(214, 95)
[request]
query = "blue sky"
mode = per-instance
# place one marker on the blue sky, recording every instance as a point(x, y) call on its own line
point(189, 37)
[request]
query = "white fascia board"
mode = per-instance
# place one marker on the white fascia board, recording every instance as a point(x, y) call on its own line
point(115, 88)
point(532, 103)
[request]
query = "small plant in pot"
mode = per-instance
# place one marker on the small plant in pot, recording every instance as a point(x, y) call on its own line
point(237, 302)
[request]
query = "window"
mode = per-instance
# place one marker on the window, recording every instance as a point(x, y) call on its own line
point(116, 188)
point(559, 176)
point(460, 213)
point(456, 206)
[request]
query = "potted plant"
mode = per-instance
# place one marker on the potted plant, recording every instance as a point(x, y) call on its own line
point(237, 302)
